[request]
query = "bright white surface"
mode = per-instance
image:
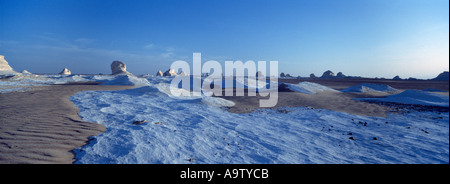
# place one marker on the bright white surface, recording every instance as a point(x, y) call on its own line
point(182, 129)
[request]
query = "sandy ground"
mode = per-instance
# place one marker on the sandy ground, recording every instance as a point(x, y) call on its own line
point(342, 83)
point(42, 125)
point(334, 101)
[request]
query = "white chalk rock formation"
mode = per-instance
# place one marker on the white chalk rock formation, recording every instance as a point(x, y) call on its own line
point(4, 66)
point(65, 71)
point(397, 78)
point(182, 73)
point(5, 69)
point(170, 73)
point(260, 74)
point(119, 68)
point(159, 73)
point(340, 75)
point(26, 72)
point(328, 74)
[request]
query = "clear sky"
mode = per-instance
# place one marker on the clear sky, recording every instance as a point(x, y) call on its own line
point(370, 38)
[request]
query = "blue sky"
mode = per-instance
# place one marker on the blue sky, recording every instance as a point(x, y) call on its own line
point(370, 38)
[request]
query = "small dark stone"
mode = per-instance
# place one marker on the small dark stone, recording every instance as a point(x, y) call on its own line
point(374, 138)
point(283, 111)
point(351, 138)
point(139, 122)
point(350, 133)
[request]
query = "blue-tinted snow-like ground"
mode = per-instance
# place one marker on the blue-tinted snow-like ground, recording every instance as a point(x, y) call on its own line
point(184, 130)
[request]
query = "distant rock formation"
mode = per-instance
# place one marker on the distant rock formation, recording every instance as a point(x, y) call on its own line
point(182, 73)
point(159, 73)
point(259, 74)
point(340, 75)
point(312, 76)
point(397, 78)
point(444, 76)
point(4, 66)
point(119, 68)
point(288, 75)
point(26, 72)
point(65, 71)
point(170, 73)
point(328, 74)
point(282, 74)
point(5, 69)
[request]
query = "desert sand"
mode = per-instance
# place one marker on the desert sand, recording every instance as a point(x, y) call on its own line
point(342, 83)
point(341, 102)
point(42, 125)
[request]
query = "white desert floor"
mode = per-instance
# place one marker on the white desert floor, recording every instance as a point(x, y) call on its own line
point(200, 130)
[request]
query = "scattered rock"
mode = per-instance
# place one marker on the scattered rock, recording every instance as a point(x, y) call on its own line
point(159, 73)
point(284, 111)
point(375, 138)
point(425, 131)
point(158, 123)
point(351, 138)
point(312, 76)
point(170, 73)
point(65, 71)
point(139, 122)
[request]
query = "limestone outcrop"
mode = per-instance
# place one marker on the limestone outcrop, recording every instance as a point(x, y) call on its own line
point(119, 68)
point(65, 71)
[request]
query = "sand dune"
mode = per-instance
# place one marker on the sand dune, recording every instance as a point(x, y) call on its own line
point(42, 125)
